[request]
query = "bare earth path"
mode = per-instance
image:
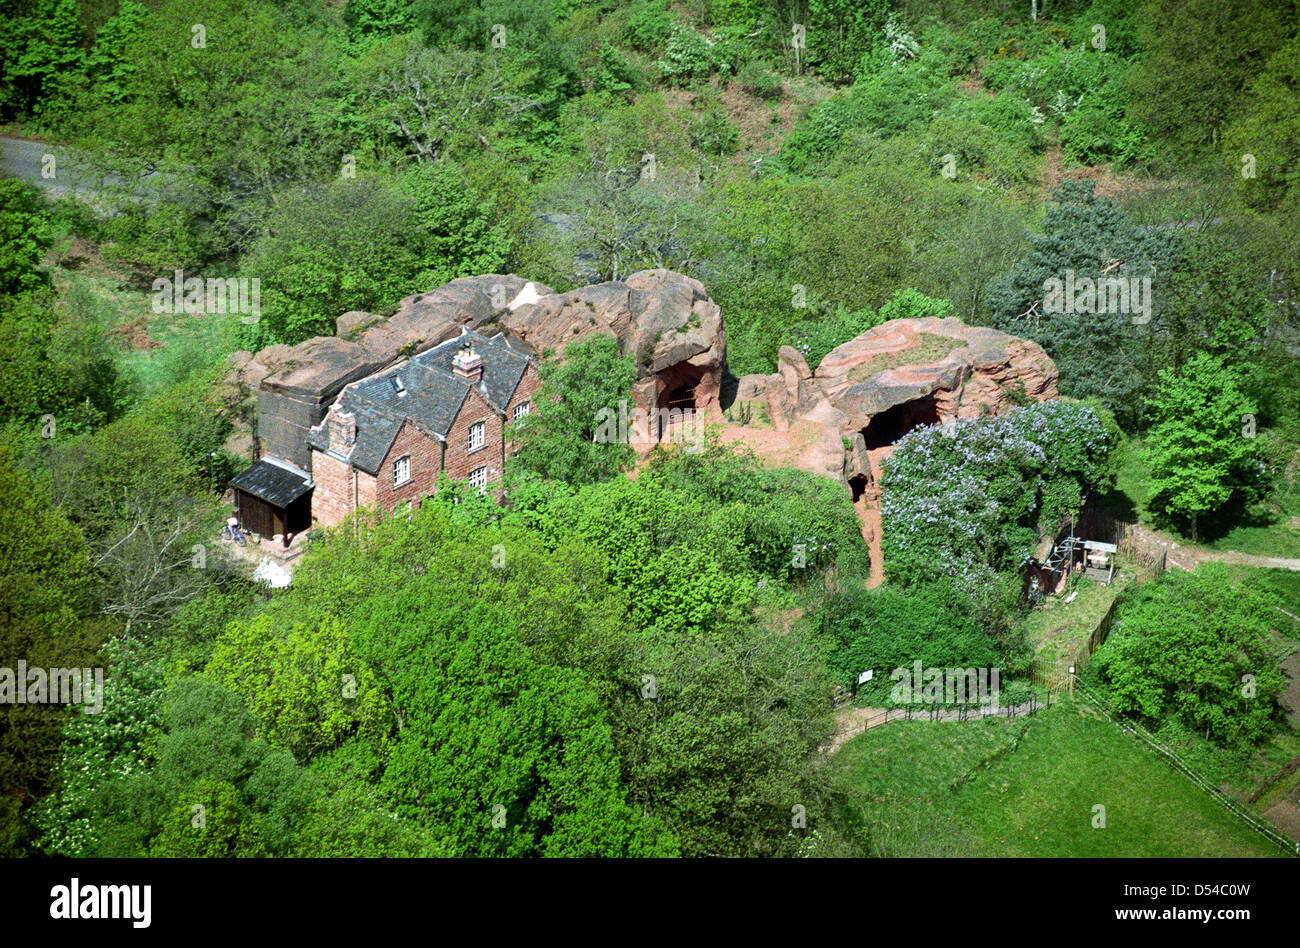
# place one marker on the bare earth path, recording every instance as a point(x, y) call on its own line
point(1187, 557)
point(868, 507)
point(1248, 559)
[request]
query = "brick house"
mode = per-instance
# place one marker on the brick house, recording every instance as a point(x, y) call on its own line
point(388, 436)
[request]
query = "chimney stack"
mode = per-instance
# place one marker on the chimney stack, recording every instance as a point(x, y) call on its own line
point(342, 429)
point(467, 363)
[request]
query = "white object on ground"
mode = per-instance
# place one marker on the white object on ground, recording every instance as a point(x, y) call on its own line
point(271, 573)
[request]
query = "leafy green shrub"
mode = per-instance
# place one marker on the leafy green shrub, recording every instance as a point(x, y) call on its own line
point(557, 439)
point(980, 151)
point(689, 56)
point(711, 129)
point(840, 32)
point(819, 334)
point(25, 233)
point(1098, 132)
point(649, 25)
point(1011, 117)
point(758, 79)
point(890, 628)
point(913, 304)
point(1121, 20)
point(1087, 92)
point(887, 101)
point(960, 48)
point(614, 73)
point(1196, 649)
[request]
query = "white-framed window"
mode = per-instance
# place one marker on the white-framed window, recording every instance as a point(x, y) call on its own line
point(401, 471)
point(477, 435)
point(519, 411)
point(478, 478)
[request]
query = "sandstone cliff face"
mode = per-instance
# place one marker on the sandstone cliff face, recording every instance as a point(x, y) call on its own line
point(664, 319)
point(901, 374)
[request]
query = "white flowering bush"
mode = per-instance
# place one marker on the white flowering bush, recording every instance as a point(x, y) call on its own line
point(102, 748)
point(902, 44)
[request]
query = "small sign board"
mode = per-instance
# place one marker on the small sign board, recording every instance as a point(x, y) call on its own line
point(1100, 547)
point(864, 677)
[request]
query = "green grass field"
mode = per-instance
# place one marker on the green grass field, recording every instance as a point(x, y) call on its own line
point(1276, 527)
point(1033, 799)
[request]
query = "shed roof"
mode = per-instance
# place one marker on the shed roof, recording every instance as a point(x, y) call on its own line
point(273, 481)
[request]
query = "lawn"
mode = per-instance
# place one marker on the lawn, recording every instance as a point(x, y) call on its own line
point(1133, 481)
point(901, 774)
point(1035, 798)
point(1272, 527)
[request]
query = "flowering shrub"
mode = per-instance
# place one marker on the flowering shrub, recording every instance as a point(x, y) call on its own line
point(968, 500)
point(99, 748)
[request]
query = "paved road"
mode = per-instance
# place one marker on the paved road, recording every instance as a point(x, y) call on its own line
point(72, 175)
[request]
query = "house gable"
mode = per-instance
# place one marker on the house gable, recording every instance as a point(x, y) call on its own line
point(423, 454)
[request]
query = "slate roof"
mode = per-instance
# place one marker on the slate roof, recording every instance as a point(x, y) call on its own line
point(273, 481)
point(503, 366)
point(430, 396)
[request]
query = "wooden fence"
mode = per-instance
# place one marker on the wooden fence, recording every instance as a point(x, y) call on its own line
point(1133, 540)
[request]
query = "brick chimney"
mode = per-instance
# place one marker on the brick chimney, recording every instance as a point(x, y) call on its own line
point(342, 429)
point(467, 363)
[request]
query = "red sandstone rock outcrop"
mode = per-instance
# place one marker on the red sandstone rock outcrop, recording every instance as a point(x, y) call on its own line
point(666, 320)
point(877, 386)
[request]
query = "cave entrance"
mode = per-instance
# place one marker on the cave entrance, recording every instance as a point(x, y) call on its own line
point(677, 385)
point(892, 424)
point(858, 485)
point(683, 396)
